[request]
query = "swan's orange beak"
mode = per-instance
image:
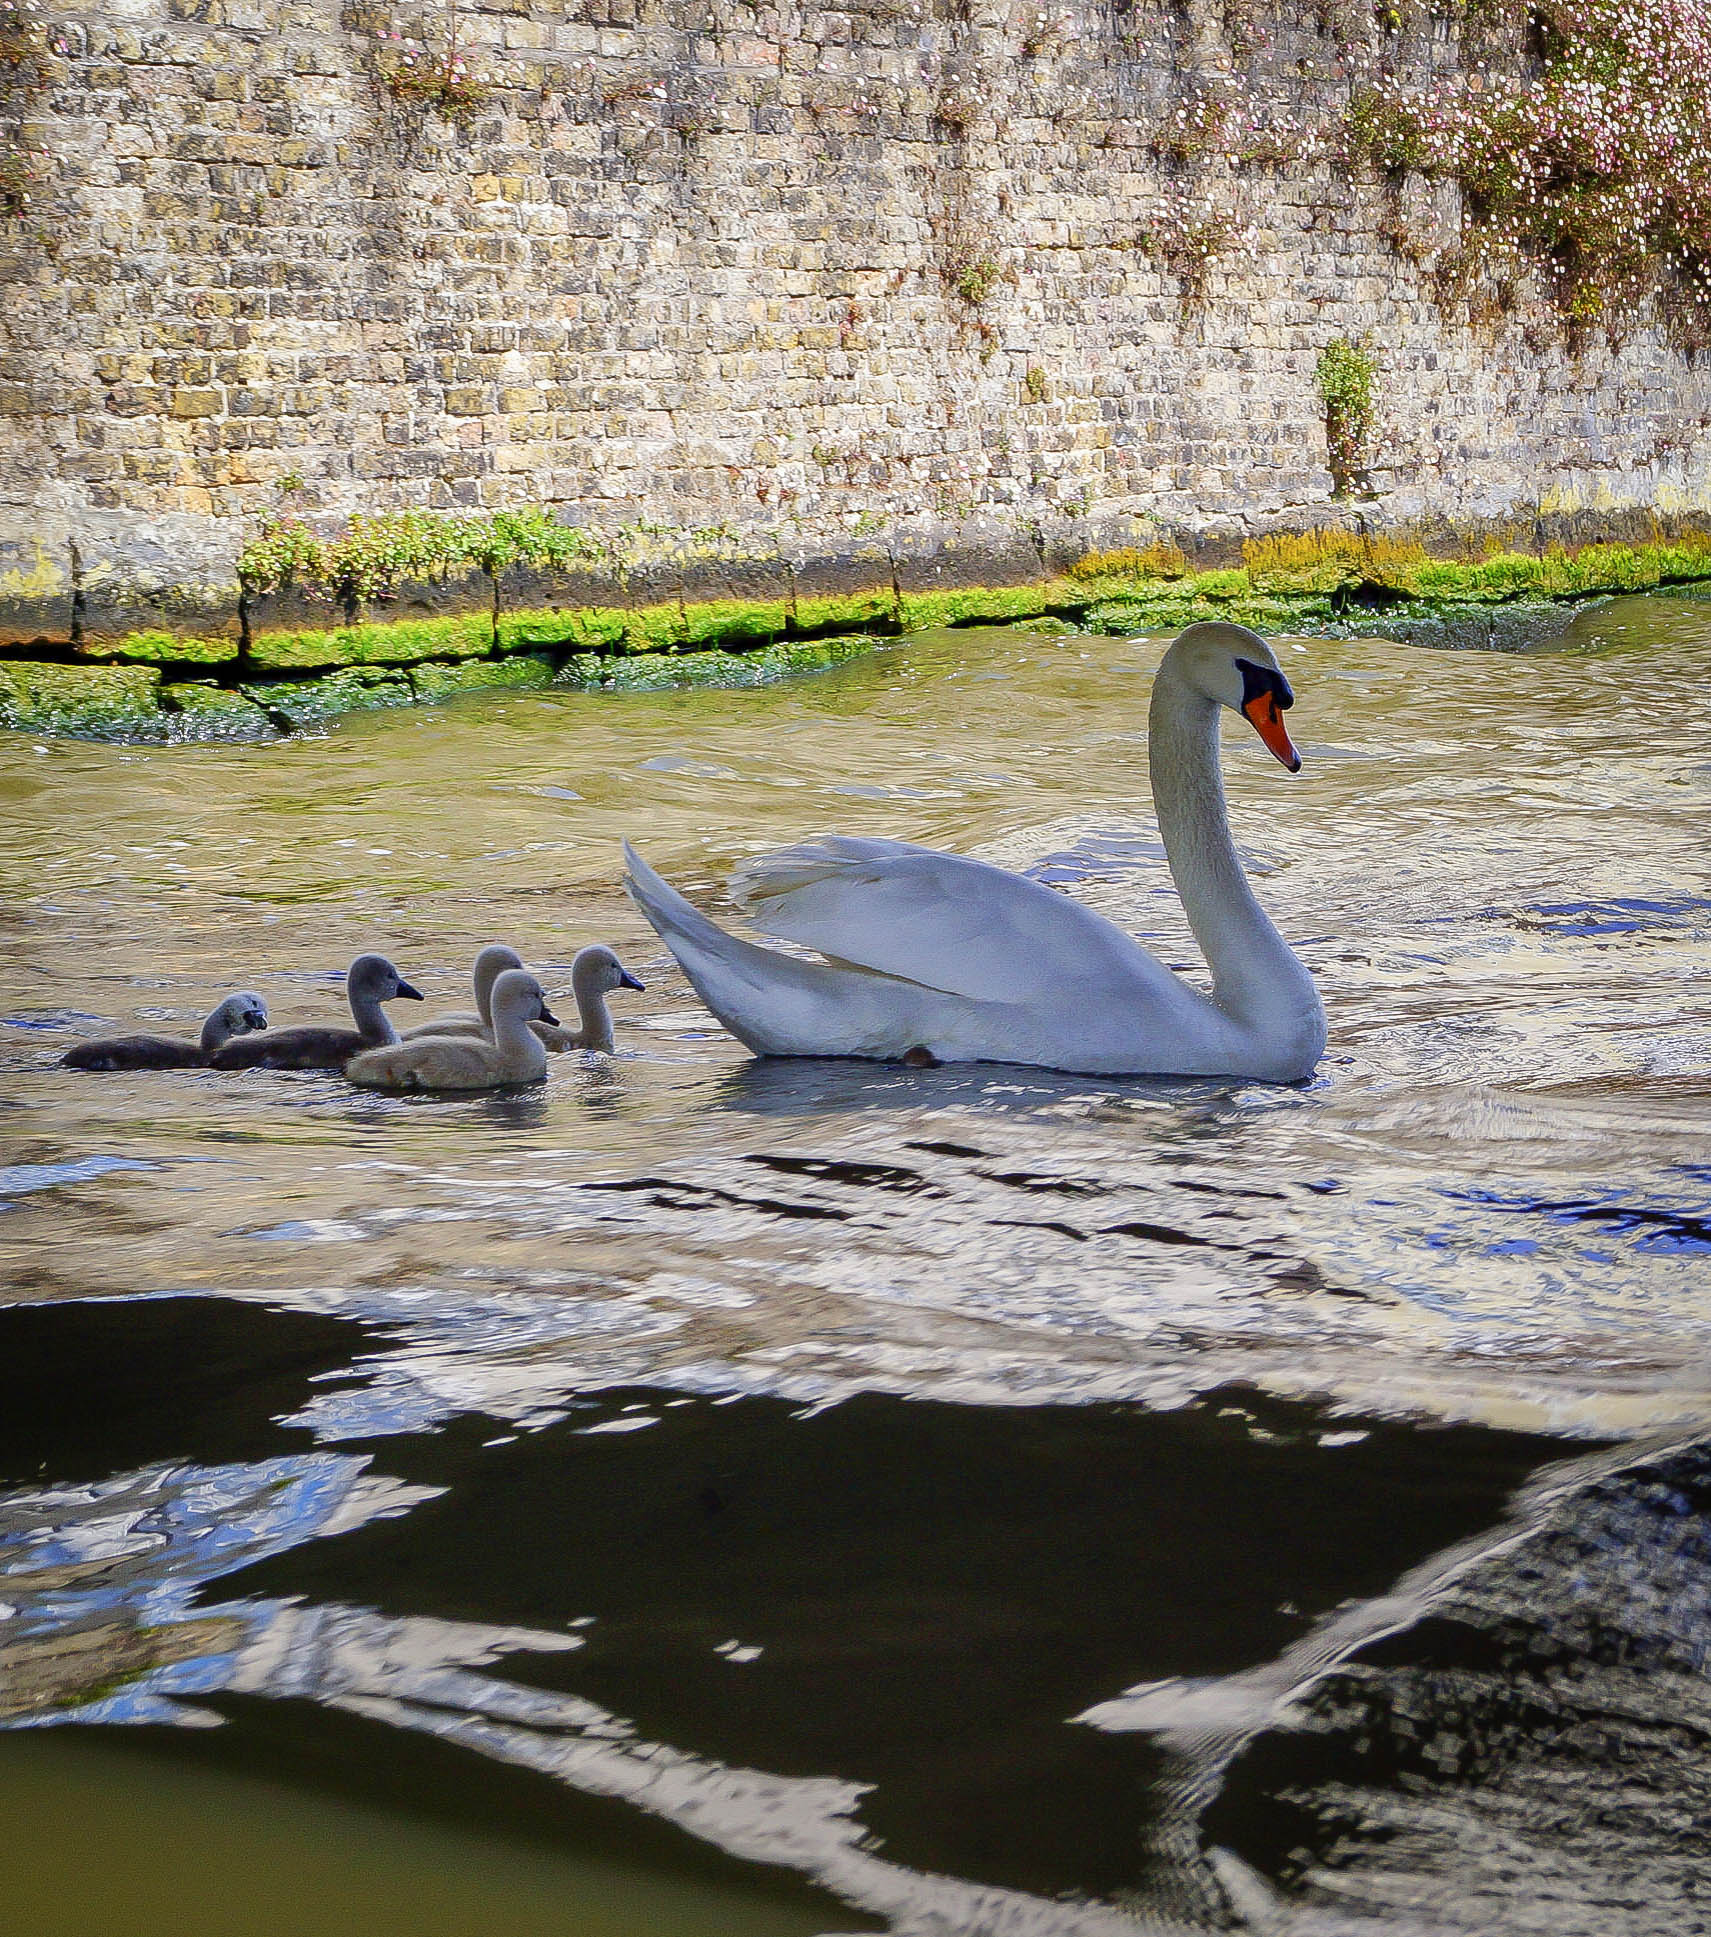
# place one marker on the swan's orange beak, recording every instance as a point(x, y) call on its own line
point(1266, 718)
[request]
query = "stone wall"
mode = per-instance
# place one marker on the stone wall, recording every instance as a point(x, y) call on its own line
point(970, 272)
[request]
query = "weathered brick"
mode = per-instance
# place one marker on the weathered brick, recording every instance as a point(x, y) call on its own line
point(195, 402)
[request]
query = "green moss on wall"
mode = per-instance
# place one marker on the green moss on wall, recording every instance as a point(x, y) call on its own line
point(394, 642)
point(652, 671)
point(94, 702)
point(159, 647)
point(1320, 581)
point(200, 710)
point(989, 605)
point(598, 628)
point(481, 676)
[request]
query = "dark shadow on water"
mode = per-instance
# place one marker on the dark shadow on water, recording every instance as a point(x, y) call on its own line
point(99, 1387)
point(915, 1596)
point(935, 1591)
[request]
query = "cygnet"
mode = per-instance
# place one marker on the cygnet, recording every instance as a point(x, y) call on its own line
point(371, 980)
point(594, 974)
point(490, 964)
point(232, 1017)
point(513, 1055)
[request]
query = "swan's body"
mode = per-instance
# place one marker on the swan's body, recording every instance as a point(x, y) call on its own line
point(934, 956)
point(370, 981)
point(594, 973)
point(513, 1054)
point(232, 1017)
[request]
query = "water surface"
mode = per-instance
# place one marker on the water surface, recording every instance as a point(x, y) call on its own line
point(893, 1494)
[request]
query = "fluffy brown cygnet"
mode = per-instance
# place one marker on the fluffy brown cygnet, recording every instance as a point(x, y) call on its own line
point(230, 1017)
point(490, 964)
point(594, 973)
point(371, 981)
point(512, 1055)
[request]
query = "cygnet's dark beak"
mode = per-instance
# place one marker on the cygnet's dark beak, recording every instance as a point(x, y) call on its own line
point(548, 1016)
point(627, 981)
point(410, 993)
point(254, 1019)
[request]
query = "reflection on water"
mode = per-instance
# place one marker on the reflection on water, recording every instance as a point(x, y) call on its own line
point(959, 1500)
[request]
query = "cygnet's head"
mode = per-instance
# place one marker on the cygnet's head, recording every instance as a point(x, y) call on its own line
point(375, 977)
point(1236, 668)
point(517, 995)
point(234, 1015)
point(242, 1012)
point(493, 961)
point(597, 971)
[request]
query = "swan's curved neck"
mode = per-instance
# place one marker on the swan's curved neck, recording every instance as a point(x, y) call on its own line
point(512, 1035)
point(215, 1031)
point(372, 1022)
point(1257, 979)
point(594, 1016)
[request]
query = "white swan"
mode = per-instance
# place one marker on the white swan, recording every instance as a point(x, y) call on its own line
point(932, 956)
point(513, 1054)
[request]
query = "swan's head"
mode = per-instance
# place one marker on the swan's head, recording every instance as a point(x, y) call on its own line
point(518, 997)
point(597, 971)
point(241, 1013)
point(494, 960)
point(236, 1015)
point(490, 964)
point(1236, 668)
point(375, 977)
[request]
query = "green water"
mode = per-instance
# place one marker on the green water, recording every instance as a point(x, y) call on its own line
point(796, 1469)
point(99, 1841)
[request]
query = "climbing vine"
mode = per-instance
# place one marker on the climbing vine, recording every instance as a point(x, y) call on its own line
point(1589, 163)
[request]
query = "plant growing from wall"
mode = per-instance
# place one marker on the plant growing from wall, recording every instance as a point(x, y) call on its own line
point(1344, 378)
point(1188, 241)
point(974, 277)
point(1589, 159)
point(433, 74)
point(24, 48)
point(20, 174)
point(374, 555)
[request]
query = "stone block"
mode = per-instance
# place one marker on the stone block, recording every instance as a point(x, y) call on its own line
point(36, 592)
point(194, 401)
point(87, 702)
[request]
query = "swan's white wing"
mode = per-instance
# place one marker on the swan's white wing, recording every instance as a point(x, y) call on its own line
point(945, 921)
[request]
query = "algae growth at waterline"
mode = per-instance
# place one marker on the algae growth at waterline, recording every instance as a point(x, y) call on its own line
point(408, 607)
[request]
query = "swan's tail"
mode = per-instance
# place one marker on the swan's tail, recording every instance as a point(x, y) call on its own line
point(774, 1003)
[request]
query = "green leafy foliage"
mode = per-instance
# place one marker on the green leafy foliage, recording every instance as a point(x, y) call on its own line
point(1345, 377)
